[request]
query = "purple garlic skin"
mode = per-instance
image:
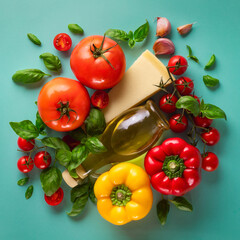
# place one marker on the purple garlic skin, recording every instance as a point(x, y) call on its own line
point(163, 27)
point(184, 29)
point(163, 46)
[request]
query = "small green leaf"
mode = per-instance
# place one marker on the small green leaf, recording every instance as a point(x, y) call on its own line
point(29, 192)
point(51, 61)
point(75, 28)
point(94, 145)
point(34, 39)
point(91, 194)
point(22, 181)
point(189, 51)
point(25, 129)
point(210, 62)
point(163, 208)
point(40, 125)
point(189, 103)
point(78, 191)
point(78, 134)
point(212, 112)
point(141, 33)
point(63, 156)
point(210, 81)
point(55, 142)
point(194, 58)
point(117, 34)
point(78, 205)
point(182, 204)
point(131, 43)
point(73, 173)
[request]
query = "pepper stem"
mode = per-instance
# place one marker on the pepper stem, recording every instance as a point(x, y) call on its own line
point(120, 195)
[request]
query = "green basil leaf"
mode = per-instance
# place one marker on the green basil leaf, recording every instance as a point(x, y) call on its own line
point(210, 81)
point(141, 33)
point(210, 62)
point(189, 103)
point(94, 145)
point(78, 205)
point(79, 191)
point(51, 61)
point(29, 192)
point(25, 129)
point(182, 204)
point(40, 125)
point(212, 112)
point(78, 134)
point(22, 181)
point(163, 208)
point(51, 179)
point(91, 194)
point(28, 76)
point(95, 122)
point(75, 28)
point(73, 173)
point(117, 34)
point(131, 43)
point(55, 142)
point(34, 39)
point(194, 58)
point(63, 156)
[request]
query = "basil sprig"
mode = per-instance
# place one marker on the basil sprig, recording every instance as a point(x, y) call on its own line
point(194, 58)
point(55, 142)
point(163, 208)
point(51, 61)
point(34, 39)
point(40, 125)
point(189, 103)
point(22, 181)
point(132, 37)
point(28, 76)
point(29, 192)
point(211, 111)
point(75, 28)
point(210, 81)
point(210, 62)
point(182, 204)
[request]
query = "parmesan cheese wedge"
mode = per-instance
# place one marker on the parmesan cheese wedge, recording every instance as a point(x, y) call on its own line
point(70, 181)
point(137, 85)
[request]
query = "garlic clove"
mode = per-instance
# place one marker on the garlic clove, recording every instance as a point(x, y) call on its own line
point(163, 46)
point(184, 29)
point(163, 27)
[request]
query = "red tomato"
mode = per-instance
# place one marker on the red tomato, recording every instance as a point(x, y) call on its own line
point(63, 104)
point(210, 162)
point(25, 164)
point(177, 65)
point(98, 66)
point(72, 143)
point(176, 125)
point(100, 99)
point(167, 103)
point(42, 160)
point(62, 42)
point(211, 137)
point(54, 199)
point(184, 85)
point(25, 145)
point(202, 121)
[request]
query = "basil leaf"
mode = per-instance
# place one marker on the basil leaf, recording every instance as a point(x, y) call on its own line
point(91, 194)
point(40, 125)
point(78, 134)
point(210, 62)
point(28, 76)
point(78, 191)
point(94, 145)
point(117, 34)
point(25, 129)
point(22, 181)
point(194, 58)
point(141, 33)
point(51, 179)
point(163, 208)
point(63, 156)
point(78, 205)
point(75, 28)
point(189, 103)
point(210, 81)
point(29, 192)
point(212, 112)
point(55, 142)
point(34, 39)
point(51, 61)
point(73, 173)
point(182, 204)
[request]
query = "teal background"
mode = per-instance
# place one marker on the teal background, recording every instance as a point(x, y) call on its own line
point(216, 212)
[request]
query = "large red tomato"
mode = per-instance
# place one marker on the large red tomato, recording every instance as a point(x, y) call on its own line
point(63, 104)
point(98, 62)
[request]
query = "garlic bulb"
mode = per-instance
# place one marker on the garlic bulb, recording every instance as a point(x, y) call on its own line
point(163, 27)
point(184, 29)
point(163, 46)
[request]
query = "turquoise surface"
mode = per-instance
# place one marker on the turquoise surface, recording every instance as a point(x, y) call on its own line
point(216, 212)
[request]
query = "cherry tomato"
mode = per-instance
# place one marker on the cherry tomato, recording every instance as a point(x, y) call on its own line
point(54, 199)
point(42, 159)
point(72, 143)
point(100, 99)
point(167, 103)
point(25, 164)
point(210, 162)
point(184, 85)
point(202, 121)
point(211, 137)
point(63, 104)
point(62, 42)
point(176, 125)
point(178, 65)
point(98, 63)
point(25, 145)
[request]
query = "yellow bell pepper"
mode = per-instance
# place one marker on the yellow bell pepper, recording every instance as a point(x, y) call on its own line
point(123, 194)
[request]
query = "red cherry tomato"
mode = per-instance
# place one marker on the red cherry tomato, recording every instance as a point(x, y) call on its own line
point(184, 85)
point(177, 65)
point(54, 199)
point(25, 164)
point(210, 162)
point(167, 103)
point(25, 145)
point(202, 121)
point(211, 137)
point(176, 125)
point(62, 42)
point(100, 99)
point(72, 143)
point(42, 160)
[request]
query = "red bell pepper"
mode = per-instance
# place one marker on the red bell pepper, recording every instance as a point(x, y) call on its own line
point(174, 167)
